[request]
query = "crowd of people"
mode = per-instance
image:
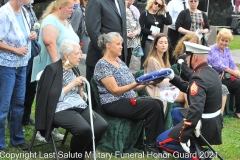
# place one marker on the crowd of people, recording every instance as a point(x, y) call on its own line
point(107, 32)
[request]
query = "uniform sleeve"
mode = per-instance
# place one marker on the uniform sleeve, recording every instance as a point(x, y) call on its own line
point(197, 97)
point(179, 83)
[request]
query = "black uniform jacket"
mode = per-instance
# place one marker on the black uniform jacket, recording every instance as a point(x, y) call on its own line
point(205, 96)
point(48, 93)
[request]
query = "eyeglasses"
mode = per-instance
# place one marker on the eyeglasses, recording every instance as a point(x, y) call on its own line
point(194, 1)
point(158, 4)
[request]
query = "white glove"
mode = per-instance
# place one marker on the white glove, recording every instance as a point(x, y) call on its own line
point(186, 146)
point(39, 75)
point(170, 76)
point(198, 128)
point(180, 61)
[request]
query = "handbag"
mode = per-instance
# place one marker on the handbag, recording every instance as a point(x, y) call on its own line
point(137, 51)
point(35, 48)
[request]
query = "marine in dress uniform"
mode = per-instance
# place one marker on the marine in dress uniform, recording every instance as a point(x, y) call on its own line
point(204, 97)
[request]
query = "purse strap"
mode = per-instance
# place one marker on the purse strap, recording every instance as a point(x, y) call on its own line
point(24, 13)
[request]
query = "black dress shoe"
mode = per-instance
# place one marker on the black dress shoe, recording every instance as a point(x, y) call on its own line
point(31, 122)
point(22, 146)
point(151, 149)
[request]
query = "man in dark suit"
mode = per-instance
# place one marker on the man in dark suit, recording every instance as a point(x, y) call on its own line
point(104, 16)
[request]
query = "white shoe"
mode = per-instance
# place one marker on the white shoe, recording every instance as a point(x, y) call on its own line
point(39, 137)
point(56, 134)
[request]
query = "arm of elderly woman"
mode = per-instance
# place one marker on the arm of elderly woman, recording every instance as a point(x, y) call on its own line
point(113, 88)
point(77, 82)
point(21, 51)
point(50, 35)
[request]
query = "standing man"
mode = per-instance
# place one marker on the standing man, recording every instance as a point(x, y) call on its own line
point(174, 8)
point(104, 16)
point(204, 95)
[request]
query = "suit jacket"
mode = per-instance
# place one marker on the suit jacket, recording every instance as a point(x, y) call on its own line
point(48, 93)
point(102, 17)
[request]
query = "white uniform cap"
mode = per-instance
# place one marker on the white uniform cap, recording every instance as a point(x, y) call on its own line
point(196, 48)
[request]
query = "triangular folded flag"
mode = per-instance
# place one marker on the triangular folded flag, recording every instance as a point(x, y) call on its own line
point(153, 75)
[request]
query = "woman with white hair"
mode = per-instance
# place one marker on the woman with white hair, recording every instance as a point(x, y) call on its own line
point(61, 101)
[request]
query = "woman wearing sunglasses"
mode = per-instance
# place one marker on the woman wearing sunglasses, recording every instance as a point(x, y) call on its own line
point(192, 20)
point(152, 22)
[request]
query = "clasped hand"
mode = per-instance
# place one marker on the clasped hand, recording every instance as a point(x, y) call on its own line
point(79, 81)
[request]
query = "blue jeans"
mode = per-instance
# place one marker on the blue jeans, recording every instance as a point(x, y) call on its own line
point(12, 91)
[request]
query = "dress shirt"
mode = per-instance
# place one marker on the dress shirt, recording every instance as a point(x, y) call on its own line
point(174, 8)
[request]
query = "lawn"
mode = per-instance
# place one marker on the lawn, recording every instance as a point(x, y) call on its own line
point(229, 150)
point(235, 43)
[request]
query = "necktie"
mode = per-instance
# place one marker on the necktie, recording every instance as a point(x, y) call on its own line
point(184, 5)
point(117, 5)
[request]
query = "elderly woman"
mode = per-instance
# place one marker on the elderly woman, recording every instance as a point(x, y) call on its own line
point(155, 16)
point(54, 29)
point(133, 31)
point(117, 86)
point(192, 19)
point(15, 47)
point(219, 57)
point(61, 101)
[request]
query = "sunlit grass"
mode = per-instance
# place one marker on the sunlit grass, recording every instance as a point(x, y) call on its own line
point(235, 43)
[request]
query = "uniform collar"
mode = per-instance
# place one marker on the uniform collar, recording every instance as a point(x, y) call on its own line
point(201, 65)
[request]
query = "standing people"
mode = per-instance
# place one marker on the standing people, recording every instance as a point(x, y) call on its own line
point(15, 50)
point(220, 59)
point(152, 22)
point(30, 86)
point(133, 31)
point(174, 8)
point(54, 29)
point(191, 20)
point(204, 93)
point(79, 26)
point(104, 16)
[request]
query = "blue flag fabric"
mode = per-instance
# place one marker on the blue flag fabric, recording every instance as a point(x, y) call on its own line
point(153, 75)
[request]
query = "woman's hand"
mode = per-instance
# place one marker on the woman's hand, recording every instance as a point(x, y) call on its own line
point(237, 73)
point(132, 34)
point(22, 51)
point(78, 82)
point(154, 33)
point(33, 35)
point(165, 7)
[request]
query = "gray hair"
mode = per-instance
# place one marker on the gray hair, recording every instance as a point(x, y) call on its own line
point(107, 38)
point(67, 47)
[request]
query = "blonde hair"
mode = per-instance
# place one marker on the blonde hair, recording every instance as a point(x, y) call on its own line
point(150, 3)
point(224, 34)
point(180, 47)
point(54, 5)
point(153, 52)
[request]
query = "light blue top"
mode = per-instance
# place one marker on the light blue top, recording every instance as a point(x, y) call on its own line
point(42, 60)
point(11, 34)
point(21, 24)
point(122, 75)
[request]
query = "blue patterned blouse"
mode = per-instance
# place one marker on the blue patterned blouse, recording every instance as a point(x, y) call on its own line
point(122, 75)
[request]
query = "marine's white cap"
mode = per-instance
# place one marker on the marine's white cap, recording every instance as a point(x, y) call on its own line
point(196, 48)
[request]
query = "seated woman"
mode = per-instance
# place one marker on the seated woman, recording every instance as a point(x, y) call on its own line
point(61, 101)
point(220, 59)
point(157, 59)
point(117, 86)
point(184, 70)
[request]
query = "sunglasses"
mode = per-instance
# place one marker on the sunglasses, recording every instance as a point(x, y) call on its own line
point(158, 4)
point(194, 1)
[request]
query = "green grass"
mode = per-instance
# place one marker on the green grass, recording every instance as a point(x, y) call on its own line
point(229, 150)
point(235, 43)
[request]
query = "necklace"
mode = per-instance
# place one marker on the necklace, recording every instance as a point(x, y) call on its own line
point(155, 21)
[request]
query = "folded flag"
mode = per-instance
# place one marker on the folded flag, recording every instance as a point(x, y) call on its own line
point(153, 75)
